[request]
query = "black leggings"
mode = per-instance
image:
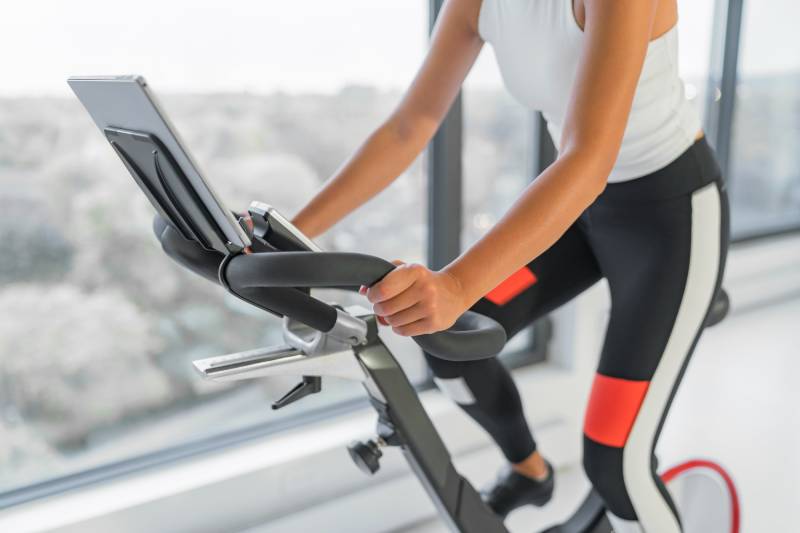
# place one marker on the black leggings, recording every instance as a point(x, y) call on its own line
point(660, 241)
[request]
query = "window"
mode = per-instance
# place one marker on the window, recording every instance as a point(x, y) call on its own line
point(764, 167)
point(98, 328)
point(498, 164)
point(695, 19)
point(497, 150)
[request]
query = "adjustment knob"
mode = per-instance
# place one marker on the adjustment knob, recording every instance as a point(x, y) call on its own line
point(366, 455)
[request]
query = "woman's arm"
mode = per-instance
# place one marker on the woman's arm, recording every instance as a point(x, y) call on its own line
point(396, 143)
point(617, 34)
point(415, 300)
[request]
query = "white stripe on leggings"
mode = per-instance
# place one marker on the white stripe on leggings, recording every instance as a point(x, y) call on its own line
point(619, 525)
point(655, 515)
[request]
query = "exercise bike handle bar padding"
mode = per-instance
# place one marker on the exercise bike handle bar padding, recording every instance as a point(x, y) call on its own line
point(279, 281)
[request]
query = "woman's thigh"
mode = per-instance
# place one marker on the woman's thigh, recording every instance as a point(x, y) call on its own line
point(663, 262)
point(562, 272)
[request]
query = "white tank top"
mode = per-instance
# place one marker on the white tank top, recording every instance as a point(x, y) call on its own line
point(537, 44)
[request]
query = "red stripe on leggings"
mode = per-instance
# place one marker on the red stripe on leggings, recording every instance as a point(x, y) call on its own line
point(613, 406)
point(512, 287)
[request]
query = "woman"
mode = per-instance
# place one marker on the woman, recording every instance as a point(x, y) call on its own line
point(635, 197)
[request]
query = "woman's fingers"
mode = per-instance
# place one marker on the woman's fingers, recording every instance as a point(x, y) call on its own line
point(420, 327)
point(407, 316)
point(414, 300)
point(363, 289)
point(402, 301)
point(249, 221)
point(394, 283)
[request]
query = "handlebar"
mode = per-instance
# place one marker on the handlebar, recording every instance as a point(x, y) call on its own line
point(473, 336)
point(278, 282)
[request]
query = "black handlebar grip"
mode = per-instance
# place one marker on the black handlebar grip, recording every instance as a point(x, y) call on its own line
point(271, 281)
point(473, 336)
point(281, 301)
point(187, 253)
point(309, 269)
point(249, 276)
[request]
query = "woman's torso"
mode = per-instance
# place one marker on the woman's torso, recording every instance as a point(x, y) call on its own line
point(537, 44)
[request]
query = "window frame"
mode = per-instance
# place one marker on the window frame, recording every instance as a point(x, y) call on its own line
point(721, 97)
point(112, 470)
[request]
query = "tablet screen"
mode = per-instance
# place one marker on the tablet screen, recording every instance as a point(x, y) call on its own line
point(127, 113)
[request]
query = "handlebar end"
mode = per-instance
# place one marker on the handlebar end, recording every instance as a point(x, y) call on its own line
point(473, 337)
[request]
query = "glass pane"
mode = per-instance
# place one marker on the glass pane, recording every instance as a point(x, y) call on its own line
point(496, 157)
point(98, 328)
point(694, 50)
point(765, 160)
point(497, 148)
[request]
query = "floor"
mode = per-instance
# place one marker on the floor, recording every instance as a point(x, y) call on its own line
point(738, 405)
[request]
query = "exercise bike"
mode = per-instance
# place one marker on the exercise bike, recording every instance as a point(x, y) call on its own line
point(352, 349)
point(271, 265)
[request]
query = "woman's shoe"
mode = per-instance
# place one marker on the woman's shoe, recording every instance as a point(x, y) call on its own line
point(512, 490)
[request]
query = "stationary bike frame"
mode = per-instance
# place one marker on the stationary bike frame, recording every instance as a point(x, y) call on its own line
point(402, 421)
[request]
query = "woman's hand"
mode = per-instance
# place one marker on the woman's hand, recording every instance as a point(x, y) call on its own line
point(415, 300)
point(248, 221)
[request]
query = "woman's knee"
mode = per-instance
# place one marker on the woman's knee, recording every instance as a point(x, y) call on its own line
point(444, 369)
point(451, 379)
point(604, 468)
point(612, 410)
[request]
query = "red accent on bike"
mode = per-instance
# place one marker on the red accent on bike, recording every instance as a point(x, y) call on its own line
point(613, 406)
point(675, 471)
point(512, 287)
